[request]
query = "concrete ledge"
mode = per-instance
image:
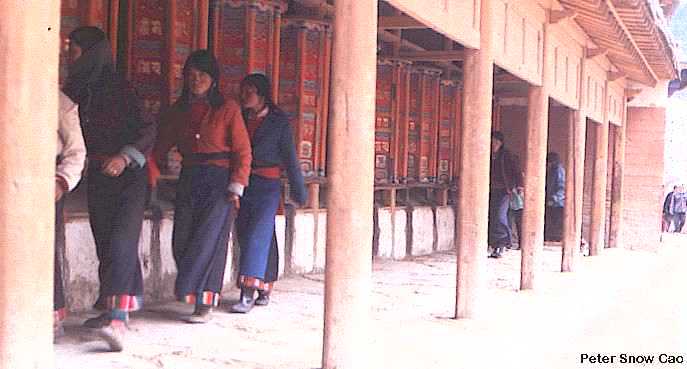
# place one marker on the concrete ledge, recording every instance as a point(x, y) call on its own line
point(303, 251)
point(391, 243)
point(303, 247)
point(422, 231)
point(321, 238)
point(400, 234)
point(81, 265)
point(385, 241)
point(446, 228)
point(168, 269)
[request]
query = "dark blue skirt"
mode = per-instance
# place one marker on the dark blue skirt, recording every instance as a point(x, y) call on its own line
point(201, 233)
point(255, 229)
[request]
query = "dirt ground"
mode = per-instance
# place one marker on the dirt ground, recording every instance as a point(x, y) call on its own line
point(622, 302)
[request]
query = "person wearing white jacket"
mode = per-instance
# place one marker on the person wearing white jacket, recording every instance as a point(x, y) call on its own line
point(71, 154)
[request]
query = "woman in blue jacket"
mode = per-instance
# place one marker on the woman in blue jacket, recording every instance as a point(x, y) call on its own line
point(273, 150)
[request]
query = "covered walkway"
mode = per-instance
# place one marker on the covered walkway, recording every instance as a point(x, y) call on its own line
point(632, 302)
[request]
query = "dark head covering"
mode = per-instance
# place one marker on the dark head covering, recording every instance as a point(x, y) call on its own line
point(553, 158)
point(87, 37)
point(497, 135)
point(204, 61)
point(262, 85)
point(94, 65)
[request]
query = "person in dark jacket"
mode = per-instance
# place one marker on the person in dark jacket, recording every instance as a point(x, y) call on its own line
point(668, 210)
point(555, 198)
point(506, 176)
point(273, 150)
point(117, 139)
point(209, 131)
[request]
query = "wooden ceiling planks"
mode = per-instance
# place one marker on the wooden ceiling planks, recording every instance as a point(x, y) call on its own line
point(646, 22)
point(601, 21)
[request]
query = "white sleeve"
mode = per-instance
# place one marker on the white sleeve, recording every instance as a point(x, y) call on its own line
point(73, 152)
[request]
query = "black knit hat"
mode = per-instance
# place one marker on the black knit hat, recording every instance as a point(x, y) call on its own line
point(497, 135)
point(262, 84)
point(204, 61)
point(87, 36)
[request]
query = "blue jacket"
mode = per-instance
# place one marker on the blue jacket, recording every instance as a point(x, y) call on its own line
point(555, 186)
point(273, 145)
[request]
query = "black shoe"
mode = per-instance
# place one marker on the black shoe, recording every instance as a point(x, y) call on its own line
point(497, 252)
point(263, 298)
point(97, 322)
point(201, 315)
point(246, 302)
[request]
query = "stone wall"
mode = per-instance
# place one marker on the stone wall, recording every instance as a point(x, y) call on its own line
point(301, 237)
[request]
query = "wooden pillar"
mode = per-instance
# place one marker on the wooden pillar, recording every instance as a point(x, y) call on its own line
point(473, 187)
point(615, 239)
point(113, 28)
point(203, 17)
point(532, 242)
point(314, 195)
point(351, 171)
point(574, 178)
point(29, 35)
point(276, 46)
point(598, 221)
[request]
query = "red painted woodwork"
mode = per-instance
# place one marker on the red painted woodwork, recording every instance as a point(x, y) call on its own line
point(245, 32)
point(304, 88)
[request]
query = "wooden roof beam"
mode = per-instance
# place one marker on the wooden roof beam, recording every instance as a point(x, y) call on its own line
point(614, 76)
point(558, 15)
point(388, 36)
point(593, 53)
point(631, 93)
point(432, 56)
point(399, 22)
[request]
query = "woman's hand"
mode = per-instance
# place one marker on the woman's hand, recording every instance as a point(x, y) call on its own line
point(59, 192)
point(114, 166)
point(234, 199)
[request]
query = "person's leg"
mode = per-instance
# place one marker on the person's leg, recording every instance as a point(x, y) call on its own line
point(256, 234)
point(503, 232)
point(518, 225)
point(492, 222)
point(557, 231)
point(116, 207)
point(548, 223)
point(680, 222)
point(59, 306)
point(271, 274)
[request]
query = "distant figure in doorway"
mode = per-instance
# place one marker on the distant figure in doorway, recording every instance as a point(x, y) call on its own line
point(679, 208)
point(555, 198)
point(667, 209)
point(505, 177)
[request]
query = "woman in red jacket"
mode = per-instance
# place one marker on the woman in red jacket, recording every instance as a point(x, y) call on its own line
point(209, 132)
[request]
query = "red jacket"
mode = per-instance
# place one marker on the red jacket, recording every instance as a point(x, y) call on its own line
point(221, 130)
